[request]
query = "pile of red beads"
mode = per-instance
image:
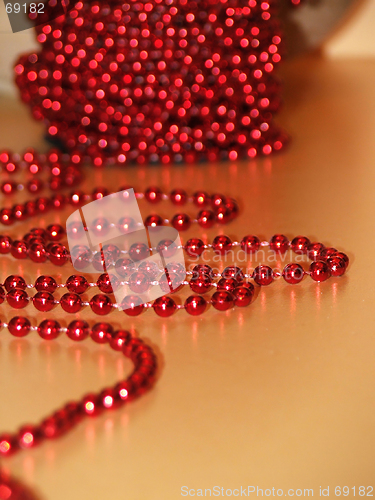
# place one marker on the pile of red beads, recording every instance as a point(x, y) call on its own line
point(158, 81)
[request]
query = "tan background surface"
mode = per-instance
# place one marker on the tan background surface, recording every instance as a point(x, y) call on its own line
point(279, 394)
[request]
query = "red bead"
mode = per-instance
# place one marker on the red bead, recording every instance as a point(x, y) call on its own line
point(326, 253)
point(37, 253)
point(17, 298)
point(77, 284)
point(58, 201)
point(49, 329)
point(232, 206)
point(8, 445)
point(279, 243)
point(250, 244)
point(108, 400)
point(222, 244)
point(39, 232)
point(201, 283)
point(178, 197)
point(167, 248)
point(181, 222)
point(203, 269)
point(206, 218)
point(28, 436)
point(118, 339)
point(71, 302)
point(76, 198)
point(6, 216)
point(58, 254)
point(101, 304)
point(222, 214)
point(19, 212)
point(43, 301)
point(101, 333)
point(164, 306)
point(139, 282)
point(139, 251)
point(19, 249)
point(222, 300)
point(233, 272)
point(293, 273)
point(150, 268)
point(45, 284)
point(100, 227)
point(35, 186)
point(90, 405)
point(218, 200)
point(195, 305)
point(132, 305)
point(55, 232)
point(19, 326)
point(99, 193)
point(337, 265)
point(8, 187)
point(2, 294)
point(78, 330)
point(314, 249)
point(319, 271)
point(242, 296)
point(227, 284)
point(263, 275)
point(106, 282)
point(300, 244)
point(154, 221)
point(153, 195)
point(5, 244)
point(344, 257)
point(124, 267)
point(194, 247)
point(201, 198)
point(14, 281)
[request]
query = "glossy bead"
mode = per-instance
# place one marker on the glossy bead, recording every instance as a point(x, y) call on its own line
point(343, 256)
point(154, 221)
point(300, 245)
point(19, 326)
point(37, 253)
point(206, 218)
point(313, 250)
point(2, 294)
point(194, 247)
point(201, 198)
point(78, 330)
point(6, 216)
point(28, 436)
point(71, 302)
point(8, 445)
point(49, 329)
point(5, 244)
point(201, 283)
point(195, 305)
point(58, 254)
point(222, 244)
point(263, 275)
point(178, 197)
point(100, 227)
point(139, 251)
point(101, 304)
point(337, 265)
point(319, 271)
point(279, 243)
point(126, 225)
point(164, 306)
point(118, 339)
point(55, 232)
point(227, 284)
point(90, 405)
point(153, 195)
point(181, 222)
point(150, 268)
point(17, 298)
point(232, 206)
point(166, 248)
point(132, 305)
point(203, 269)
point(101, 333)
point(326, 253)
point(139, 282)
point(250, 244)
point(293, 273)
point(222, 300)
point(14, 281)
point(242, 296)
point(77, 284)
point(124, 267)
point(233, 272)
point(43, 301)
point(19, 212)
point(19, 249)
point(222, 214)
point(217, 200)
point(107, 283)
point(45, 284)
